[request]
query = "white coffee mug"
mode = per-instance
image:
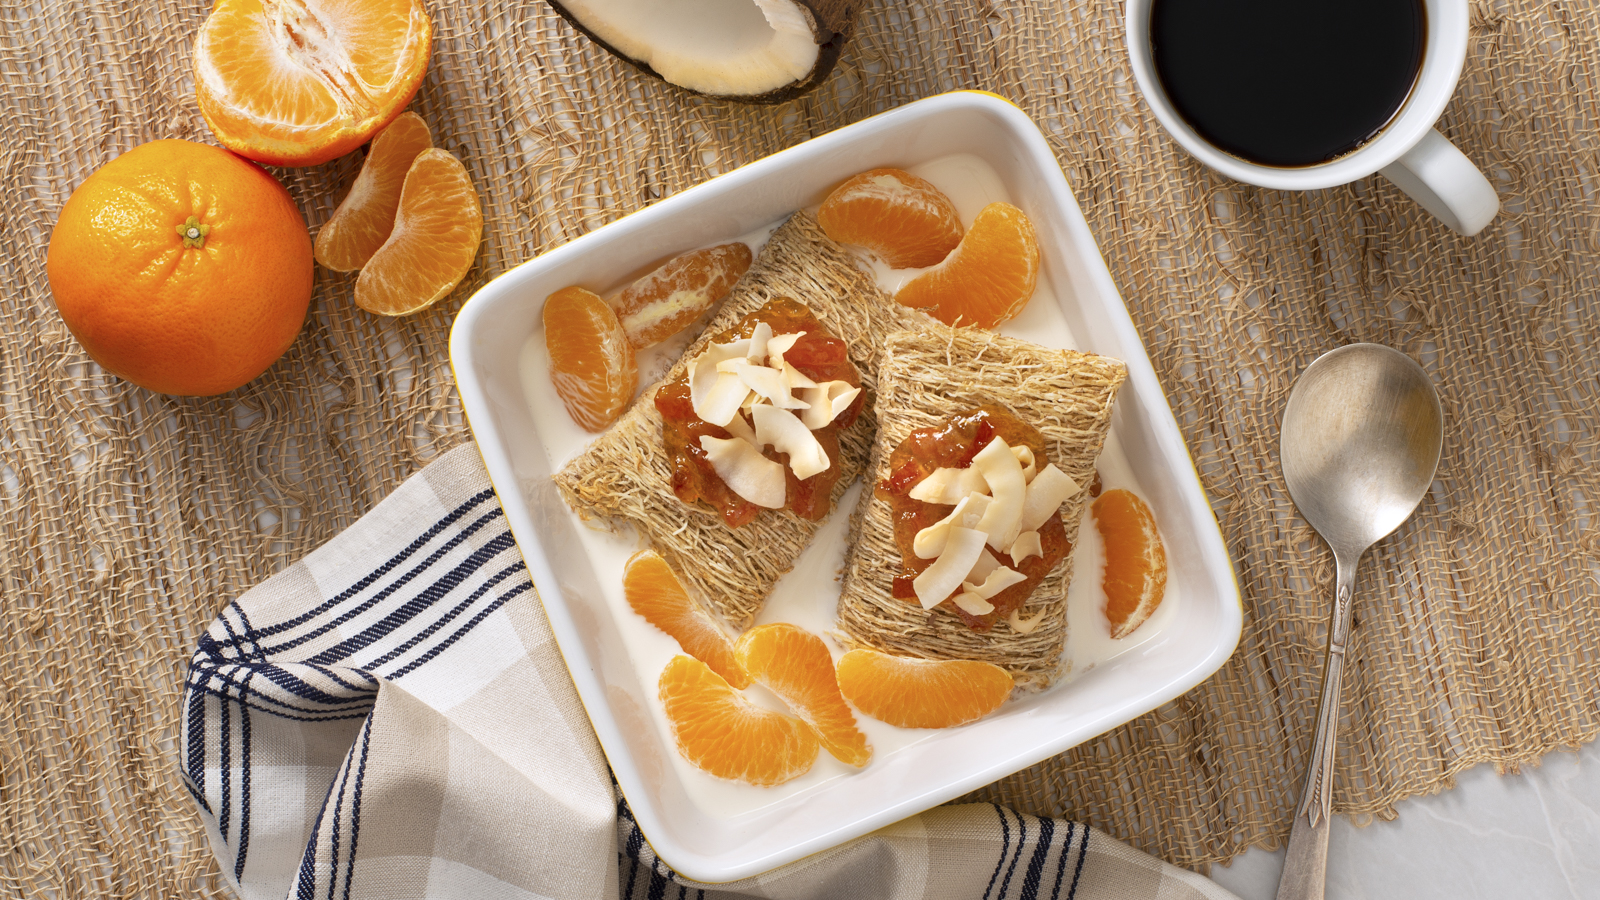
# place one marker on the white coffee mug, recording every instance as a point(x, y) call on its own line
point(1408, 151)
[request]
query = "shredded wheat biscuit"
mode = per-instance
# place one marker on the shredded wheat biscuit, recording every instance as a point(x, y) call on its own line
point(626, 473)
point(925, 377)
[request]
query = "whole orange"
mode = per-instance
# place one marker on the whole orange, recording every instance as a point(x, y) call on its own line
point(181, 268)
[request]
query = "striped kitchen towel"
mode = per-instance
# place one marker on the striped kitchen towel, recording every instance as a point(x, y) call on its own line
point(390, 717)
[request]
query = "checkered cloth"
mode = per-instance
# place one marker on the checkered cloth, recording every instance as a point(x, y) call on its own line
point(390, 717)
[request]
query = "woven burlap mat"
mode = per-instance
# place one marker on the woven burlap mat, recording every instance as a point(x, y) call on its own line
point(130, 518)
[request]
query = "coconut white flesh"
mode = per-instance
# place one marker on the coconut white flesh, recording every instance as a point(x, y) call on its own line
point(745, 471)
point(946, 486)
point(795, 377)
point(1024, 626)
point(932, 541)
point(758, 343)
point(710, 389)
point(787, 434)
point(722, 47)
point(1000, 468)
point(1027, 544)
point(1048, 490)
point(941, 579)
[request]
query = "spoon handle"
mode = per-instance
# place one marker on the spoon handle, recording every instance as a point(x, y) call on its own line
point(1305, 865)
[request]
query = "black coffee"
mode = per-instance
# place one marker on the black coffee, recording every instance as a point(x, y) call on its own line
point(1287, 82)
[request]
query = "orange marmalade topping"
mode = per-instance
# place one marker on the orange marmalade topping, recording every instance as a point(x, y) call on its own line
point(953, 445)
point(819, 356)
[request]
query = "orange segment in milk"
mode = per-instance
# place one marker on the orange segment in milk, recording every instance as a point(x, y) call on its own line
point(655, 593)
point(796, 665)
point(988, 279)
point(720, 732)
point(1136, 560)
point(904, 219)
point(591, 362)
point(922, 693)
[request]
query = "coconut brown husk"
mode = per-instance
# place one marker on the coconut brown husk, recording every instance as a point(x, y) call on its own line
point(925, 377)
point(625, 475)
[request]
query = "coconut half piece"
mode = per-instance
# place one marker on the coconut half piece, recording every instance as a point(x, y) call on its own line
point(757, 51)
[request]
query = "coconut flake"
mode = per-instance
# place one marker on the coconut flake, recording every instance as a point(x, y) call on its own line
point(1027, 544)
point(946, 486)
point(715, 395)
point(996, 581)
point(745, 471)
point(827, 400)
point(1004, 475)
point(1024, 626)
point(930, 541)
point(770, 384)
point(1048, 490)
point(974, 604)
point(757, 352)
point(1024, 455)
point(787, 434)
point(778, 345)
point(980, 570)
point(739, 428)
point(941, 579)
point(794, 377)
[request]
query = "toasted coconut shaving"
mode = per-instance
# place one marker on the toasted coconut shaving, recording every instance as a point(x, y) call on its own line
point(1064, 394)
point(625, 474)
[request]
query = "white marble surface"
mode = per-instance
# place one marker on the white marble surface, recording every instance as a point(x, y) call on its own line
point(1535, 835)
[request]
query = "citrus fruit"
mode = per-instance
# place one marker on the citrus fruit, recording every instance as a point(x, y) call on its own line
point(365, 216)
point(986, 280)
point(181, 268)
point(1136, 560)
point(718, 730)
point(654, 592)
point(922, 693)
point(299, 82)
point(796, 665)
point(904, 219)
point(662, 303)
point(591, 362)
point(436, 232)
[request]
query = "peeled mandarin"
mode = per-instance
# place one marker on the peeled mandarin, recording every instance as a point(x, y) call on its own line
point(654, 591)
point(667, 300)
point(1136, 560)
point(922, 693)
point(904, 219)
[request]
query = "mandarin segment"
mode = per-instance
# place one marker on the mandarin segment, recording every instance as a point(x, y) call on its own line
point(1136, 560)
point(922, 693)
point(719, 731)
point(436, 233)
point(986, 280)
point(796, 665)
point(904, 219)
point(653, 591)
point(591, 362)
point(665, 301)
point(365, 216)
point(300, 82)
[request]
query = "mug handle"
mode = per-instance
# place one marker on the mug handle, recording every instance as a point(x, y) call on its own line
point(1441, 178)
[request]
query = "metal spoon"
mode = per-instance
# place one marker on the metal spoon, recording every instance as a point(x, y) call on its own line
point(1360, 443)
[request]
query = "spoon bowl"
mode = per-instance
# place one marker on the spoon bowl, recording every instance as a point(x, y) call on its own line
point(1360, 443)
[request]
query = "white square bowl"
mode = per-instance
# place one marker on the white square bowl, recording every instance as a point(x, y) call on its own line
point(1195, 639)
